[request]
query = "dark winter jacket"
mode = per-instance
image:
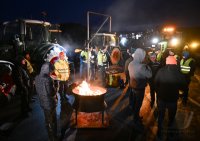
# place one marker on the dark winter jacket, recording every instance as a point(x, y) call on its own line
point(168, 82)
point(44, 87)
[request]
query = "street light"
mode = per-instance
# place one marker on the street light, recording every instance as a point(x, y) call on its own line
point(174, 41)
point(169, 29)
point(155, 40)
point(123, 41)
point(194, 45)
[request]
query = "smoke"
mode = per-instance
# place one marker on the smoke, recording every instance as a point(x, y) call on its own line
point(128, 15)
point(121, 13)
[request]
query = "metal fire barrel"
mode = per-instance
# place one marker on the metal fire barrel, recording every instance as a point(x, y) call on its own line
point(90, 103)
point(113, 75)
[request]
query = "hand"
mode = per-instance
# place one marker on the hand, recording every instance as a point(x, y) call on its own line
point(8, 97)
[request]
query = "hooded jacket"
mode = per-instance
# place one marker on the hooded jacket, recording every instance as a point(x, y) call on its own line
point(139, 72)
point(44, 87)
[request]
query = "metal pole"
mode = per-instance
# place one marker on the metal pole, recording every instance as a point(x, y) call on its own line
point(88, 45)
point(88, 35)
point(110, 24)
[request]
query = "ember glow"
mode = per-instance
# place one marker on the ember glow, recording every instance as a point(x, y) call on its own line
point(85, 89)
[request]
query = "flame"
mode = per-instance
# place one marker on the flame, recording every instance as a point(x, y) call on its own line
point(85, 89)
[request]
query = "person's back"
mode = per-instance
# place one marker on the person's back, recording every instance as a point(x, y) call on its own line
point(168, 82)
point(138, 70)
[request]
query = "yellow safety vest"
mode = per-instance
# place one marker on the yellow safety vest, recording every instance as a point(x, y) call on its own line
point(29, 66)
point(85, 53)
point(185, 68)
point(62, 70)
point(159, 56)
point(101, 58)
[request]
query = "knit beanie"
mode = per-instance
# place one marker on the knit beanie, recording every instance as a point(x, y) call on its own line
point(171, 60)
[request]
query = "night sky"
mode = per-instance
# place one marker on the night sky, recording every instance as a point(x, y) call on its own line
point(125, 13)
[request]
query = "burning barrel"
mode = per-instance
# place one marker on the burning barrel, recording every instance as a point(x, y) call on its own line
point(113, 75)
point(89, 99)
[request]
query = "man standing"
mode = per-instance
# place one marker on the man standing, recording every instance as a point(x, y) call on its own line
point(62, 72)
point(139, 72)
point(93, 58)
point(168, 82)
point(84, 56)
point(154, 65)
point(48, 99)
point(129, 91)
point(187, 65)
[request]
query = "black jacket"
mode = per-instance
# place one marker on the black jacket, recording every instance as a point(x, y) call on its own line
point(168, 82)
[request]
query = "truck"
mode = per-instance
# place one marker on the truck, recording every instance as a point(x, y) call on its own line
point(27, 35)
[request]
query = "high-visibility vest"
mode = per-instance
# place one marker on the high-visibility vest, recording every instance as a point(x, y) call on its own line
point(29, 66)
point(101, 58)
point(159, 56)
point(185, 68)
point(62, 70)
point(85, 53)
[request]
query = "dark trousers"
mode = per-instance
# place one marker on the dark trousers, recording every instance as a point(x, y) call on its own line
point(186, 91)
point(130, 95)
point(64, 107)
point(51, 123)
point(62, 87)
point(93, 72)
point(138, 96)
point(162, 106)
point(102, 75)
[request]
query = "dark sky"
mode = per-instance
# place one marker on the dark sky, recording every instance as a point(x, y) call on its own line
point(125, 13)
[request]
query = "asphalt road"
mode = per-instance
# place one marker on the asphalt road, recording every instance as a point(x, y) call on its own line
point(119, 128)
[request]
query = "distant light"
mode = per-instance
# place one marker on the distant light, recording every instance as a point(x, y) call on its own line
point(123, 41)
point(194, 45)
point(155, 40)
point(168, 29)
point(175, 42)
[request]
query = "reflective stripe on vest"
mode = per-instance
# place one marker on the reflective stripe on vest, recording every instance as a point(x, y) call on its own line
point(185, 68)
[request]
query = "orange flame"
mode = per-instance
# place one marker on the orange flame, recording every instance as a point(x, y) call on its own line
point(85, 89)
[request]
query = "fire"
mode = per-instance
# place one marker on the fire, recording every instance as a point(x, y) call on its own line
point(85, 89)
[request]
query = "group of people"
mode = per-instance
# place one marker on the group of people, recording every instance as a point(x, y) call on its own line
point(95, 60)
point(166, 80)
point(18, 78)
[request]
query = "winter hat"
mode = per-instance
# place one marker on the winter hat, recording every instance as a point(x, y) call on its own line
point(186, 54)
point(61, 53)
point(171, 60)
